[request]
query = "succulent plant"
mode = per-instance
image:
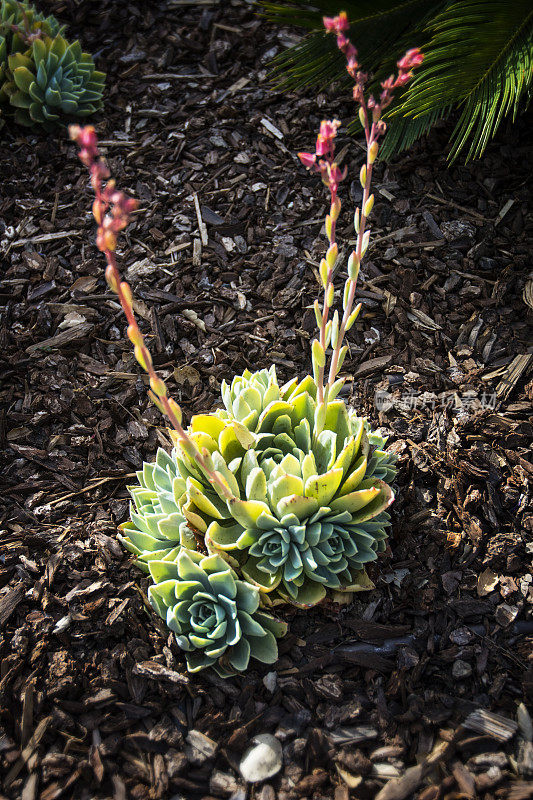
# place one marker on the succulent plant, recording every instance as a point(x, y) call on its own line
point(305, 516)
point(17, 21)
point(51, 80)
point(214, 615)
point(157, 528)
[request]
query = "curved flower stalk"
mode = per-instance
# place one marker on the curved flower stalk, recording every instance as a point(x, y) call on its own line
point(214, 615)
point(112, 211)
point(332, 331)
point(53, 80)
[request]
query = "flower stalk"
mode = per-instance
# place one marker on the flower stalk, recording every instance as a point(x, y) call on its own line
point(322, 161)
point(112, 211)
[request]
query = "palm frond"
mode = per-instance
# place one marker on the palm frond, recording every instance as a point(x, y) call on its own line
point(379, 30)
point(479, 61)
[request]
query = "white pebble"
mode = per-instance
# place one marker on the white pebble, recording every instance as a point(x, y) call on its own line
point(262, 760)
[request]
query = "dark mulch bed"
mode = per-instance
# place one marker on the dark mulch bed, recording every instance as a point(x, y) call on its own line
point(94, 698)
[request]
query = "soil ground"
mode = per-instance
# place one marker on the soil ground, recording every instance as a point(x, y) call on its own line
point(392, 696)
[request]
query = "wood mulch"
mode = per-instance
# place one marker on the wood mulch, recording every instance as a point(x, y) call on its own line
point(414, 690)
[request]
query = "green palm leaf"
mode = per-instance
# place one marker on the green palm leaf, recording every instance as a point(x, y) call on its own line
point(479, 61)
point(382, 31)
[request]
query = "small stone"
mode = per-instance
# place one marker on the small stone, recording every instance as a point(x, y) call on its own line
point(270, 681)
point(461, 636)
point(461, 669)
point(262, 760)
point(229, 244)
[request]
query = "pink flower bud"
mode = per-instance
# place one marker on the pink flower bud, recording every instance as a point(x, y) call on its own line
point(98, 209)
point(328, 131)
point(350, 52)
point(413, 58)
point(336, 175)
point(307, 159)
point(403, 78)
point(87, 137)
point(337, 24)
point(351, 66)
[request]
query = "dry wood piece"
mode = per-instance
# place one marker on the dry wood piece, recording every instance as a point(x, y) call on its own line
point(151, 669)
point(371, 366)
point(494, 725)
point(65, 337)
point(9, 602)
point(519, 366)
point(400, 788)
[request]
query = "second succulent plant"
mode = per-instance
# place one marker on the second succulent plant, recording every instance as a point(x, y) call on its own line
point(44, 79)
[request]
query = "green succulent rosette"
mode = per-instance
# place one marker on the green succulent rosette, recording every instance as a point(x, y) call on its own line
point(251, 393)
point(24, 17)
point(306, 514)
point(157, 528)
point(309, 493)
point(51, 81)
point(215, 616)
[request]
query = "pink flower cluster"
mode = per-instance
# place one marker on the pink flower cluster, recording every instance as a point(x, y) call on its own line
point(338, 25)
point(413, 58)
point(108, 198)
point(330, 172)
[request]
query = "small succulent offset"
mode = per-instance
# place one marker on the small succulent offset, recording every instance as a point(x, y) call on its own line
point(214, 615)
point(157, 528)
point(44, 78)
point(281, 496)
